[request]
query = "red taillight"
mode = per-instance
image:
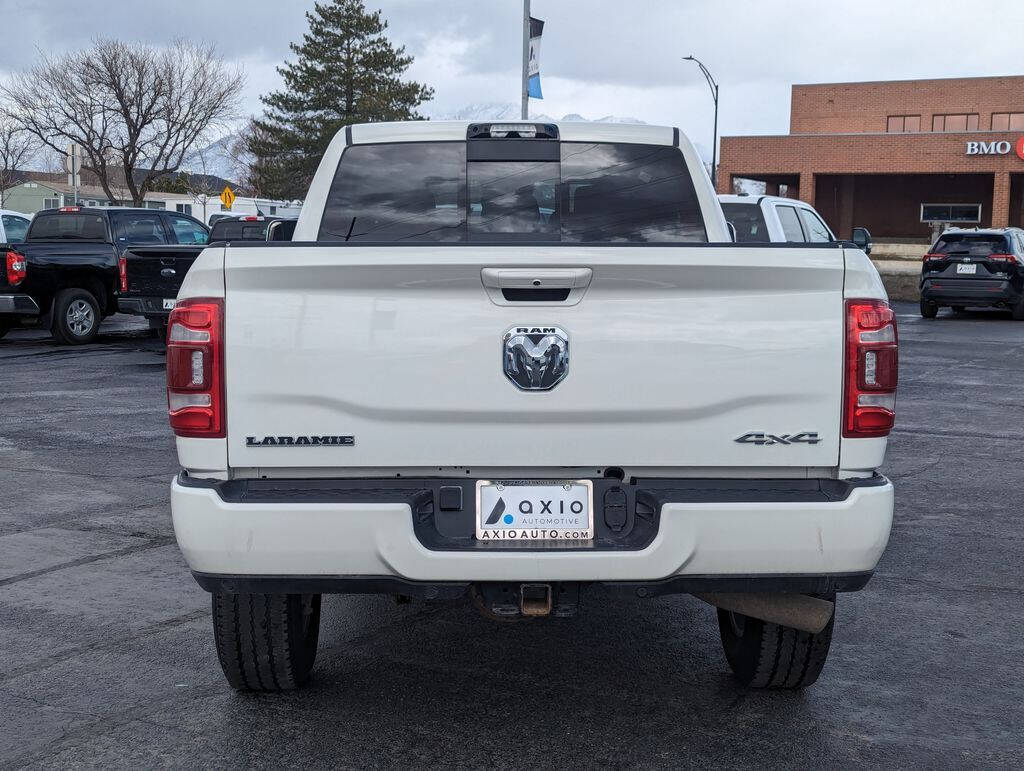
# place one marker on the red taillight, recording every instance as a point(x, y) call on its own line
point(122, 271)
point(1003, 257)
point(17, 268)
point(872, 369)
point(934, 257)
point(69, 209)
point(195, 368)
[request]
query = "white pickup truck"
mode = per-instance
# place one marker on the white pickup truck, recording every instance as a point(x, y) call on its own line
point(757, 218)
point(515, 362)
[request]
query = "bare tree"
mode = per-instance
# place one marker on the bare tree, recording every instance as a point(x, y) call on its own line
point(135, 110)
point(17, 146)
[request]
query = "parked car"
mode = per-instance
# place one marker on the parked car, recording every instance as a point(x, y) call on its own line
point(13, 226)
point(566, 403)
point(153, 275)
point(774, 219)
point(974, 268)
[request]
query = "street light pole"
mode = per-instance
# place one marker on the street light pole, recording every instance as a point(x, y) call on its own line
point(714, 95)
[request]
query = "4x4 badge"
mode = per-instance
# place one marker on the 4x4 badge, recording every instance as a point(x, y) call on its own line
point(756, 437)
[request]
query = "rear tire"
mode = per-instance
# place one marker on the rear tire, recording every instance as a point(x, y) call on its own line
point(766, 655)
point(929, 310)
point(266, 642)
point(1018, 310)
point(76, 317)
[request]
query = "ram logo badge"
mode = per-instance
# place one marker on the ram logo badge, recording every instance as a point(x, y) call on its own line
point(535, 358)
point(759, 438)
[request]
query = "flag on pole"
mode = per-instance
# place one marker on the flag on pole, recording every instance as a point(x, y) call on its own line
point(533, 82)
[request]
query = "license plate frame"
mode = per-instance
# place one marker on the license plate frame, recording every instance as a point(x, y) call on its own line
point(536, 523)
point(967, 268)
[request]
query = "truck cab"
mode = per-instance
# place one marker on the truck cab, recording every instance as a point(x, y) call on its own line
point(771, 218)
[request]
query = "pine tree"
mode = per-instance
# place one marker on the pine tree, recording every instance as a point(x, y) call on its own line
point(347, 72)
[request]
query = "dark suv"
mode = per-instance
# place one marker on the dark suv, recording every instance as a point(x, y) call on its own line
point(978, 268)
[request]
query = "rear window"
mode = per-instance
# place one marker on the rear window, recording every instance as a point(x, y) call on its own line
point(138, 229)
point(238, 230)
point(972, 244)
point(748, 219)
point(72, 226)
point(588, 192)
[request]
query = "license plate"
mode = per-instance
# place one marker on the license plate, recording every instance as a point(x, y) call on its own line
point(169, 305)
point(966, 268)
point(539, 510)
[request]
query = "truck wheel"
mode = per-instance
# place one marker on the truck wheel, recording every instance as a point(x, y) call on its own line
point(266, 642)
point(766, 655)
point(76, 317)
point(929, 310)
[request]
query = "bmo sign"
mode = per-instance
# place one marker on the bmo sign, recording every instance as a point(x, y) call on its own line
point(1001, 147)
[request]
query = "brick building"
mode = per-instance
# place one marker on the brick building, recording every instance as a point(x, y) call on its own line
point(894, 155)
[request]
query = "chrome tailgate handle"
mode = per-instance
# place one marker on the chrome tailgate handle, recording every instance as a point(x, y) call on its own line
point(536, 286)
point(536, 278)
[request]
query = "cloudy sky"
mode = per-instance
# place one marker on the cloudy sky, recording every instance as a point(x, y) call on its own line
point(599, 57)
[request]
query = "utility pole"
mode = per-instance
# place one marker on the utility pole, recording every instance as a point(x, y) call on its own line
point(714, 95)
point(526, 60)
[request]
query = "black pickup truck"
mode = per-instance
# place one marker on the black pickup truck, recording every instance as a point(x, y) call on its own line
point(69, 271)
point(153, 274)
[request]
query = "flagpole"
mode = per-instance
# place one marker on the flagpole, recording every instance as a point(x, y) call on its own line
point(526, 60)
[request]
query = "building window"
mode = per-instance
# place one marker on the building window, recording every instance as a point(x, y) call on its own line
point(901, 124)
point(51, 203)
point(1008, 121)
point(273, 210)
point(959, 122)
point(183, 208)
point(156, 204)
point(951, 212)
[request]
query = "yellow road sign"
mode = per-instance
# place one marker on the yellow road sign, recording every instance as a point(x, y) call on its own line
point(227, 197)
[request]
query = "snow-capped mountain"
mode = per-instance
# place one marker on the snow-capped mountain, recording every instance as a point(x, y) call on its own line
point(214, 159)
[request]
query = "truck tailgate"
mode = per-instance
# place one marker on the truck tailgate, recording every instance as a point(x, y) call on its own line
point(675, 352)
point(157, 271)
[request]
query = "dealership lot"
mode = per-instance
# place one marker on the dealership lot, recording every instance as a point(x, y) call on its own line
point(109, 659)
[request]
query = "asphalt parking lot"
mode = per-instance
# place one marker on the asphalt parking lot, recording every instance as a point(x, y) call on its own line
point(108, 659)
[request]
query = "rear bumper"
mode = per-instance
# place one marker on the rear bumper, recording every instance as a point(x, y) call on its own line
point(969, 291)
point(720, 542)
point(143, 306)
point(18, 305)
